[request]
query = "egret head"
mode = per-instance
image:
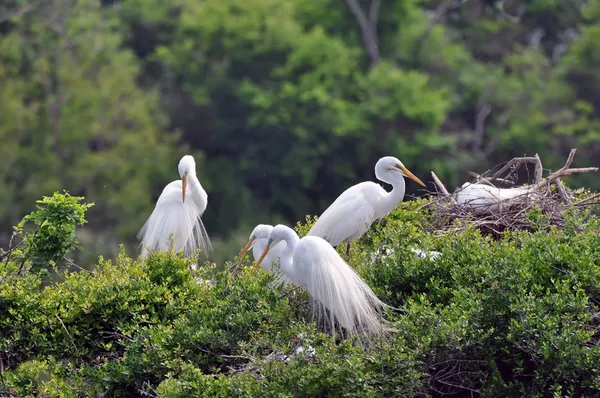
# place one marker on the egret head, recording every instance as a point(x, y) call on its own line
point(261, 231)
point(278, 233)
point(390, 165)
point(187, 166)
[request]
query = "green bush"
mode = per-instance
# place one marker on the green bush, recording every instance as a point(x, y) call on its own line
point(509, 317)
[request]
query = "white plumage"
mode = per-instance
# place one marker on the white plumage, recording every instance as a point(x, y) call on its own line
point(314, 264)
point(486, 197)
point(178, 211)
point(353, 212)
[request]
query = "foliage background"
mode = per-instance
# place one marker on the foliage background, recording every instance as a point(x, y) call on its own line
point(283, 103)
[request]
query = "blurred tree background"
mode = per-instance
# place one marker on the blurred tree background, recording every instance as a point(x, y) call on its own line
point(283, 103)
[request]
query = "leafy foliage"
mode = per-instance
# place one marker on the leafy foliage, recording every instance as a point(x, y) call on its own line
point(510, 317)
point(55, 219)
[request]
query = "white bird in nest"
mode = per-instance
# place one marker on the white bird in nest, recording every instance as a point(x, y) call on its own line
point(353, 212)
point(178, 211)
point(486, 197)
point(258, 242)
point(312, 263)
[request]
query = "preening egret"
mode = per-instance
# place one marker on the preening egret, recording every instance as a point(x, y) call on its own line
point(178, 211)
point(314, 264)
point(353, 212)
point(258, 242)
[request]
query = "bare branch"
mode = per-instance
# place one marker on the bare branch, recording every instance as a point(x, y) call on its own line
point(439, 12)
point(482, 114)
point(482, 179)
point(565, 171)
point(374, 12)
point(368, 27)
point(64, 327)
point(588, 199)
point(439, 184)
point(538, 173)
point(562, 191)
point(511, 163)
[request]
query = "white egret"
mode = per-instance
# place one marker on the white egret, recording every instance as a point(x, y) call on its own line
point(353, 212)
point(258, 242)
point(314, 264)
point(178, 211)
point(486, 197)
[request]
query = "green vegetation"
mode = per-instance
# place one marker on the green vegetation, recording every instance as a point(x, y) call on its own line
point(509, 317)
point(282, 102)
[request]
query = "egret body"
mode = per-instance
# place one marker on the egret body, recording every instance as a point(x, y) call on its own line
point(353, 212)
point(312, 263)
point(178, 211)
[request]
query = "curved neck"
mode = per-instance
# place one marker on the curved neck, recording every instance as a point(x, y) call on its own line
point(392, 199)
point(198, 193)
point(285, 258)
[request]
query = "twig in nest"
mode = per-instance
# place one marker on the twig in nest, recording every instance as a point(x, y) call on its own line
point(565, 171)
point(511, 163)
point(538, 173)
point(586, 200)
point(439, 184)
point(484, 180)
point(562, 191)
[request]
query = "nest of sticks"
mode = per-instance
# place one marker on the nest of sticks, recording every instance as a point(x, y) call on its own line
point(494, 203)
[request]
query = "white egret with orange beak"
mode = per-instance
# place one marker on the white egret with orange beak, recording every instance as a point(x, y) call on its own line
point(353, 212)
point(258, 242)
point(178, 211)
point(334, 286)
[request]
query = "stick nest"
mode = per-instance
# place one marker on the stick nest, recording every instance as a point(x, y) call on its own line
point(493, 209)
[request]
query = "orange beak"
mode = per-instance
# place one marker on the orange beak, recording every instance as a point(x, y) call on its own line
point(247, 247)
point(184, 185)
point(262, 256)
point(410, 175)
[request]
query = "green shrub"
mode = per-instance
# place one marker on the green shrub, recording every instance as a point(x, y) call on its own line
point(509, 317)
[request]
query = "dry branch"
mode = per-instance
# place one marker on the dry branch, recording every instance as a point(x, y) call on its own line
point(494, 210)
point(439, 184)
point(368, 26)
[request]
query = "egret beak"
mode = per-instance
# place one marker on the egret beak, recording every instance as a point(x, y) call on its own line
point(184, 185)
point(262, 256)
point(247, 247)
point(410, 175)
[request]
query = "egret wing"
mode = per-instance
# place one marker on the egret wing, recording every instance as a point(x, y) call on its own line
point(347, 218)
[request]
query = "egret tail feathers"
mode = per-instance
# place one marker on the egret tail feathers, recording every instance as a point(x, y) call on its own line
point(181, 220)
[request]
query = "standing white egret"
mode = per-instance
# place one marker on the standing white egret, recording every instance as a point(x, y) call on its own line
point(178, 211)
point(353, 212)
point(314, 264)
point(258, 242)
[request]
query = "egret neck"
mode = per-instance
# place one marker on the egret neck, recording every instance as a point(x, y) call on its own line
point(392, 199)
point(198, 193)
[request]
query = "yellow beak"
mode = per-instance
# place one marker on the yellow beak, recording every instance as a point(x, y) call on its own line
point(247, 247)
point(262, 256)
point(410, 175)
point(184, 185)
